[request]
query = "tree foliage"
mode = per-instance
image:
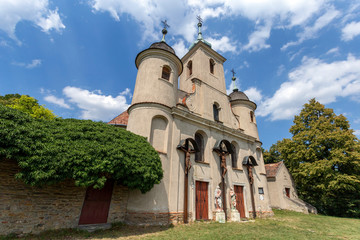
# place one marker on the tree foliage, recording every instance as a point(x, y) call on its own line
point(324, 159)
point(28, 105)
point(88, 152)
point(9, 99)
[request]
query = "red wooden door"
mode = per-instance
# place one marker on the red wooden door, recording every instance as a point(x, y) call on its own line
point(240, 206)
point(287, 190)
point(96, 204)
point(202, 206)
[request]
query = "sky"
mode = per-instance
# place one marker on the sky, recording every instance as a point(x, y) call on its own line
point(77, 57)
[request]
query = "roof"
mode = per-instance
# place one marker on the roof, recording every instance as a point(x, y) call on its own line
point(122, 119)
point(272, 169)
point(163, 46)
point(238, 95)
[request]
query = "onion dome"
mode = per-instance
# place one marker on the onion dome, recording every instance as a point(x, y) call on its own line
point(238, 95)
point(164, 46)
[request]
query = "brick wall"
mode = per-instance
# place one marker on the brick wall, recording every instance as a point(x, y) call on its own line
point(26, 209)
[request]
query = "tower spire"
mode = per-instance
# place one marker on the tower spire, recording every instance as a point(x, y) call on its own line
point(233, 81)
point(164, 31)
point(199, 38)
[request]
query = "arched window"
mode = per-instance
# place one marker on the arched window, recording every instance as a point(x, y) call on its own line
point(189, 66)
point(158, 138)
point(199, 139)
point(252, 116)
point(212, 64)
point(166, 70)
point(234, 158)
point(216, 112)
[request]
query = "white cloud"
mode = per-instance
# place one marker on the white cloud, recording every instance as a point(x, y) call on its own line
point(257, 39)
point(34, 63)
point(222, 45)
point(280, 70)
point(311, 32)
point(180, 48)
point(254, 94)
point(333, 51)
point(350, 31)
point(149, 13)
point(313, 78)
point(245, 64)
point(36, 11)
point(357, 133)
point(181, 15)
point(95, 105)
point(57, 101)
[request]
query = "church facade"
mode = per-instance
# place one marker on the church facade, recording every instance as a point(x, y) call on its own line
point(207, 140)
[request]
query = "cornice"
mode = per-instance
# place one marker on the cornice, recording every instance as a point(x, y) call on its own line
point(206, 123)
point(205, 48)
point(155, 51)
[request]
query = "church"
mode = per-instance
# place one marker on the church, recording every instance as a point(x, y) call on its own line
point(207, 140)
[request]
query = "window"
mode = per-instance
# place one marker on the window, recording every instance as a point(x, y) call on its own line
point(287, 192)
point(216, 112)
point(233, 156)
point(199, 156)
point(261, 190)
point(189, 66)
point(212, 64)
point(252, 116)
point(166, 72)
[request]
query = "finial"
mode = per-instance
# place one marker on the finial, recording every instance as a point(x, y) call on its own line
point(164, 31)
point(200, 20)
point(233, 80)
point(199, 27)
point(200, 38)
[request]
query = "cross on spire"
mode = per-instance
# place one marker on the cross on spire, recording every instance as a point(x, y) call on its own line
point(233, 80)
point(164, 31)
point(165, 24)
point(200, 19)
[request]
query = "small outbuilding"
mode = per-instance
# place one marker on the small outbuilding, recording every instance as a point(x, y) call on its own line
point(282, 190)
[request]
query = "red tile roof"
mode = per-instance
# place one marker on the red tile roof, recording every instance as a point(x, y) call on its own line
point(122, 119)
point(272, 169)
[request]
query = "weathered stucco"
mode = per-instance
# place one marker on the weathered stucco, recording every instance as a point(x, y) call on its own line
point(185, 114)
point(278, 198)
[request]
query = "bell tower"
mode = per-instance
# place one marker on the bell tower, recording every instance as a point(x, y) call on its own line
point(156, 82)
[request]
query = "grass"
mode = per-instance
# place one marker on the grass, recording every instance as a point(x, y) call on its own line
point(284, 225)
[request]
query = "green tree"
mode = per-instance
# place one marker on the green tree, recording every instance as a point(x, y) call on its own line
point(85, 151)
point(28, 105)
point(324, 159)
point(9, 99)
point(271, 156)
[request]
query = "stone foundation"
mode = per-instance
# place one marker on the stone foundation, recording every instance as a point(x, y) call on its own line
point(155, 218)
point(26, 209)
point(261, 214)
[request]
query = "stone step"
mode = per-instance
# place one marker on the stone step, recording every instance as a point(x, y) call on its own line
point(94, 227)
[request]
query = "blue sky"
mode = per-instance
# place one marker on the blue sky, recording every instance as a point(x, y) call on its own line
point(77, 57)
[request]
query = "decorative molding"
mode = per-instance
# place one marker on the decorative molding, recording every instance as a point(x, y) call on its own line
point(190, 117)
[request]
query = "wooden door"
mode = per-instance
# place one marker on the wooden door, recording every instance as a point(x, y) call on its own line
point(96, 204)
point(240, 206)
point(202, 206)
point(287, 190)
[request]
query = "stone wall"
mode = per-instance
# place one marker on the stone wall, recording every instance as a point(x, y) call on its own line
point(26, 209)
point(155, 218)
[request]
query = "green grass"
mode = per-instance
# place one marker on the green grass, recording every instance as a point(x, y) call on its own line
point(284, 225)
